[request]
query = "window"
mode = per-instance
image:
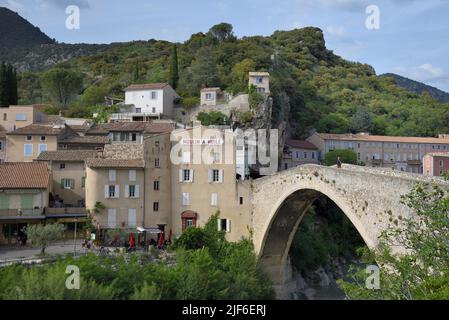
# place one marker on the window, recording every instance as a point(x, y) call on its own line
point(185, 175)
point(132, 218)
point(62, 166)
point(259, 79)
point(155, 206)
point(112, 191)
point(156, 185)
point(305, 155)
point(185, 199)
point(224, 224)
point(29, 138)
point(112, 216)
point(214, 199)
point(21, 117)
point(5, 117)
point(285, 166)
point(43, 138)
point(241, 200)
point(441, 163)
point(313, 155)
point(209, 96)
point(157, 163)
point(67, 184)
point(189, 223)
point(83, 182)
point(216, 175)
point(1, 145)
point(132, 175)
point(28, 150)
point(153, 95)
point(132, 191)
point(217, 157)
point(42, 148)
point(112, 175)
point(153, 110)
point(138, 110)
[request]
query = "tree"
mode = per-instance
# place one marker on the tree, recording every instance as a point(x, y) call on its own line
point(222, 32)
point(362, 121)
point(62, 85)
point(174, 74)
point(42, 235)
point(12, 84)
point(212, 118)
point(346, 156)
point(240, 75)
point(4, 93)
point(422, 272)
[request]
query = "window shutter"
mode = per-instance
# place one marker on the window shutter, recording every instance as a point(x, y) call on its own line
point(228, 225)
point(181, 178)
point(83, 182)
point(62, 183)
point(191, 175)
point(126, 191)
point(214, 199)
point(72, 184)
point(219, 224)
point(112, 216)
point(221, 175)
point(210, 175)
point(137, 191)
point(132, 218)
point(117, 191)
point(106, 192)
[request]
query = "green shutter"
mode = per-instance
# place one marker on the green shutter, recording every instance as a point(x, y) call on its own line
point(72, 184)
point(83, 182)
point(62, 183)
point(4, 202)
point(27, 201)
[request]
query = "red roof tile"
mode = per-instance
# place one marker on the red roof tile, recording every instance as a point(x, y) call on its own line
point(147, 86)
point(300, 144)
point(24, 175)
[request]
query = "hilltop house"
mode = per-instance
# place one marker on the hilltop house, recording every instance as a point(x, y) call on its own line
point(261, 80)
point(144, 102)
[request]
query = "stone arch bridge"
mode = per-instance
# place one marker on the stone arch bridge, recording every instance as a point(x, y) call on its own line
point(369, 197)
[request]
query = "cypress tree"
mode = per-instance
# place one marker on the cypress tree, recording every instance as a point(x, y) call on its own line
point(174, 75)
point(12, 85)
point(4, 87)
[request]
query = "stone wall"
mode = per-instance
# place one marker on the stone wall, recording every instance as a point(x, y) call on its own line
point(123, 151)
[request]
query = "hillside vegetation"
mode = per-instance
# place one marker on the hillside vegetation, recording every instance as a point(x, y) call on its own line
point(313, 89)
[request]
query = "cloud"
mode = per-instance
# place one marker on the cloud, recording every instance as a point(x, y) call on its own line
point(425, 73)
point(338, 32)
point(346, 5)
point(64, 3)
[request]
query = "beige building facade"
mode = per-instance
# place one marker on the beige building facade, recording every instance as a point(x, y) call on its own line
point(298, 152)
point(16, 117)
point(261, 80)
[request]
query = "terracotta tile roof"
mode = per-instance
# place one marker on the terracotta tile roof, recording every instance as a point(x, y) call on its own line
point(300, 144)
point(210, 89)
point(374, 138)
point(259, 74)
point(24, 175)
point(115, 163)
point(44, 129)
point(67, 155)
point(85, 140)
point(145, 127)
point(147, 86)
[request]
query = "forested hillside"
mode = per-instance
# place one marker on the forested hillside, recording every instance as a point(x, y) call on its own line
point(312, 88)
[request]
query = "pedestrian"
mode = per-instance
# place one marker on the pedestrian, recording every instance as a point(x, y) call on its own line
point(338, 162)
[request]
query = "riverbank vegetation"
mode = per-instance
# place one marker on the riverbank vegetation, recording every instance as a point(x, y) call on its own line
point(211, 269)
point(423, 273)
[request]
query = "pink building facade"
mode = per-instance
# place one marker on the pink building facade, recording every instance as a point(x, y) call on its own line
point(436, 164)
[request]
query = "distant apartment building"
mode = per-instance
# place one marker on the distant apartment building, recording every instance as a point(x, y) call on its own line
point(298, 152)
point(436, 163)
point(397, 153)
point(261, 80)
point(27, 143)
point(68, 176)
point(16, 117)
point(146, 102)
point(24, 195)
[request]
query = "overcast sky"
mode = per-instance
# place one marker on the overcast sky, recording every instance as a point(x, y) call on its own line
point(412, 40)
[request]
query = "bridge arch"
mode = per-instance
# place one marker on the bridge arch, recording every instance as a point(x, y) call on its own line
point(370, 198)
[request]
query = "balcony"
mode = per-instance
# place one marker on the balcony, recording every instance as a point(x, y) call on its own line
point(414, 162)
point(130, 116)
point(21, 212)
point(65, 211)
